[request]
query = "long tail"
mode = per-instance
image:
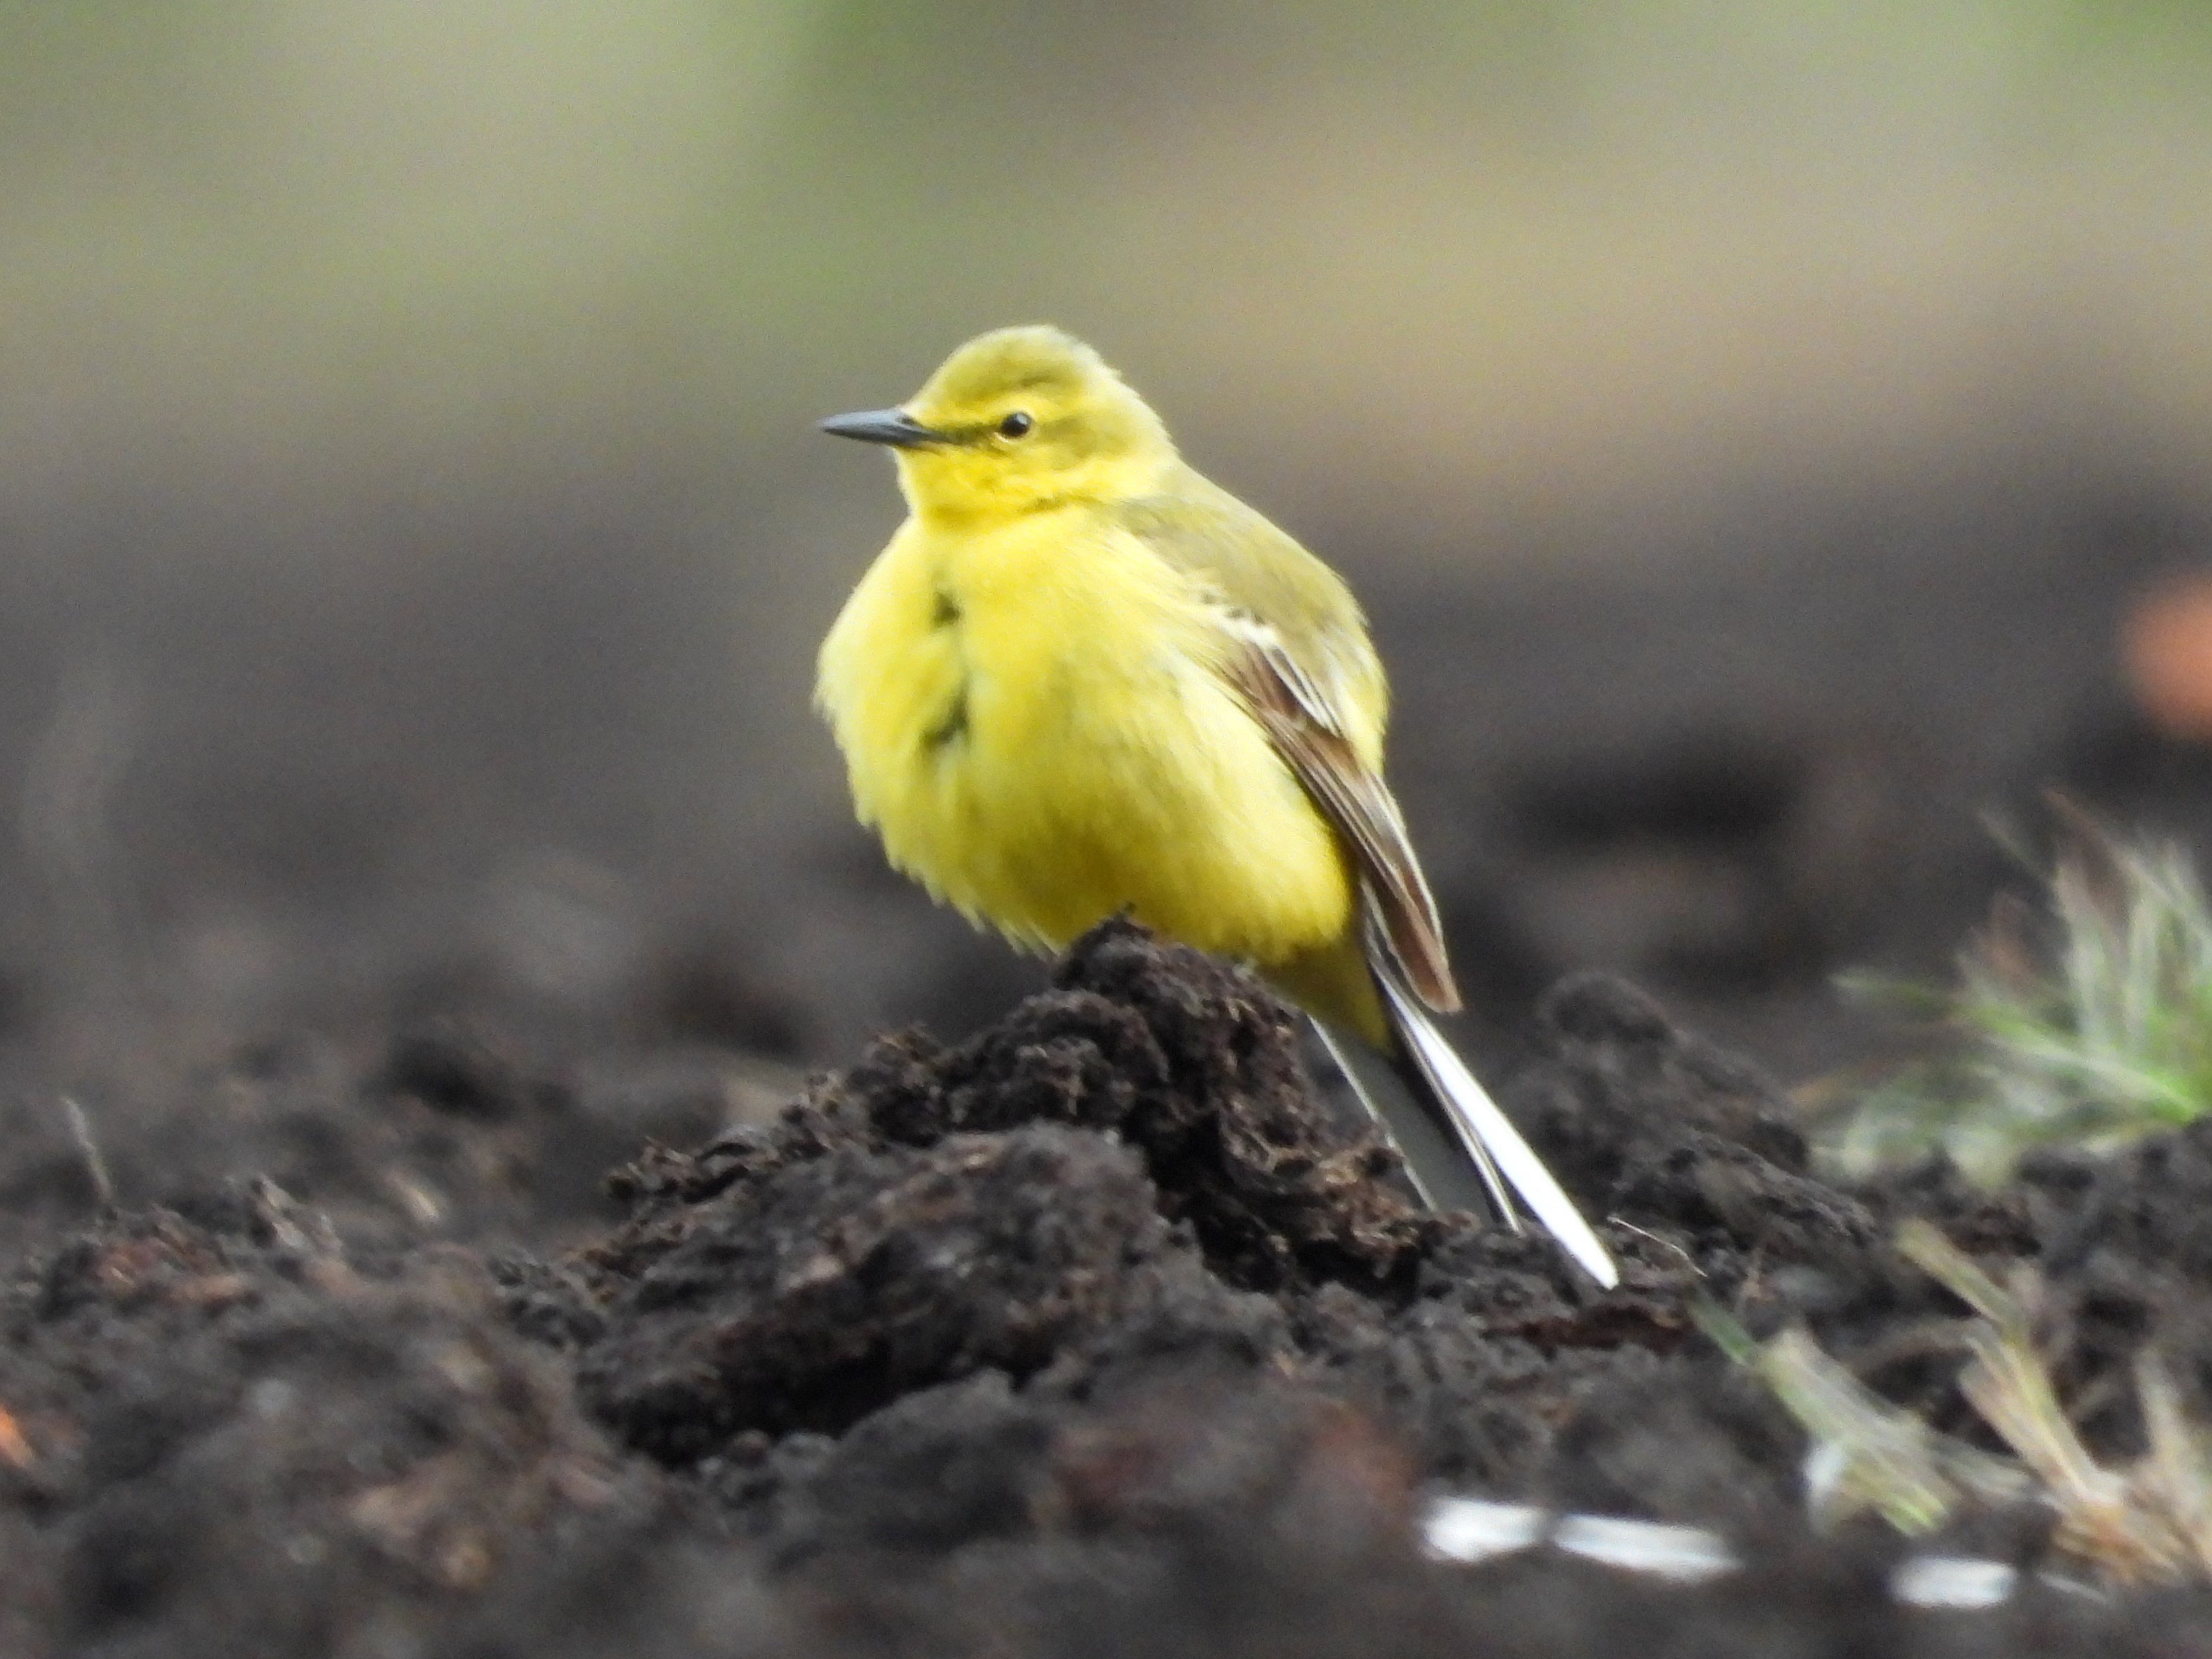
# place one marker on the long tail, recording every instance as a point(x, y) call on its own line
point(1461, 1152)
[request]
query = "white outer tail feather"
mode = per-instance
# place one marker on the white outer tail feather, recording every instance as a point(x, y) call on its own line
point(1487, 1138)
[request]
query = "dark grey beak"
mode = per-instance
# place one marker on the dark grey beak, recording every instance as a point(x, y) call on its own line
point(882, 426)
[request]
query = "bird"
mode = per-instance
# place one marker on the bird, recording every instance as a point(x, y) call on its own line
point(1083, 680)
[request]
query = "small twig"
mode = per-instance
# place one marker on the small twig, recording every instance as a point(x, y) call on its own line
point(96, 1165)
point(1663, 1243)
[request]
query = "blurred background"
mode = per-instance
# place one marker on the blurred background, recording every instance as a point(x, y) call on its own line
point(1760, 430)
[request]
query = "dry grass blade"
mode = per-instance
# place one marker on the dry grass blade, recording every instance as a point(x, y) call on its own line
point(2129, 1527)
point(2175, 1476)
point(1867, 1454)
point(2149, 1524)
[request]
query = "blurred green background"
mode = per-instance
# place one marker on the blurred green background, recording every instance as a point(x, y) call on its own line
point(416, 541)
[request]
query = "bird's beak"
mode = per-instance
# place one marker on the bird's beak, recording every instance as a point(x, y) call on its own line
point(883, 426)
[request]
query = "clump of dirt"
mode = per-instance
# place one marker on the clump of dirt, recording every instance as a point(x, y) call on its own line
point(1095, 1333)
point(813, 1299)
point(1193, 1065)
point(218, 1416)
point(1130, 1177)
point(1134, 1164)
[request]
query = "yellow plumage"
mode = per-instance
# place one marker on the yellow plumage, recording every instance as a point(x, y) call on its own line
point(1063, 749)
point(1082, 679)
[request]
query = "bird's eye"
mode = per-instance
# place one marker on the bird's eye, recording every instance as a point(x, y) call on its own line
point(1016, 425)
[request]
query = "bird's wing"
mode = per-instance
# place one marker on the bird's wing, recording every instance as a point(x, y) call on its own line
point(1296, 652)
point(1302, 724)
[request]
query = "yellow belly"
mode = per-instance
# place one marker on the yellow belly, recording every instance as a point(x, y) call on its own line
point(1029, 722)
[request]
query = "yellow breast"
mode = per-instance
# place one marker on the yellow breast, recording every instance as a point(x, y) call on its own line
point(1031, 722)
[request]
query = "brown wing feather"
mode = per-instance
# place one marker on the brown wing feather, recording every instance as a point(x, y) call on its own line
point(1295, 647)
point(1299, 722)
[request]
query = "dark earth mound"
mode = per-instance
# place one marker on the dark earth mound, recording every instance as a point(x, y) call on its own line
point(1093, 1335)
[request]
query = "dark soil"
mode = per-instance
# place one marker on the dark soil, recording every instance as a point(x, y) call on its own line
point(1096, 1333)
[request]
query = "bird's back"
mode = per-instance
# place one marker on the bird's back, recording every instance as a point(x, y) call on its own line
point(1255, 568)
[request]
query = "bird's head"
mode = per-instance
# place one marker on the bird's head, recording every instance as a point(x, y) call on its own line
point(1014, 420)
